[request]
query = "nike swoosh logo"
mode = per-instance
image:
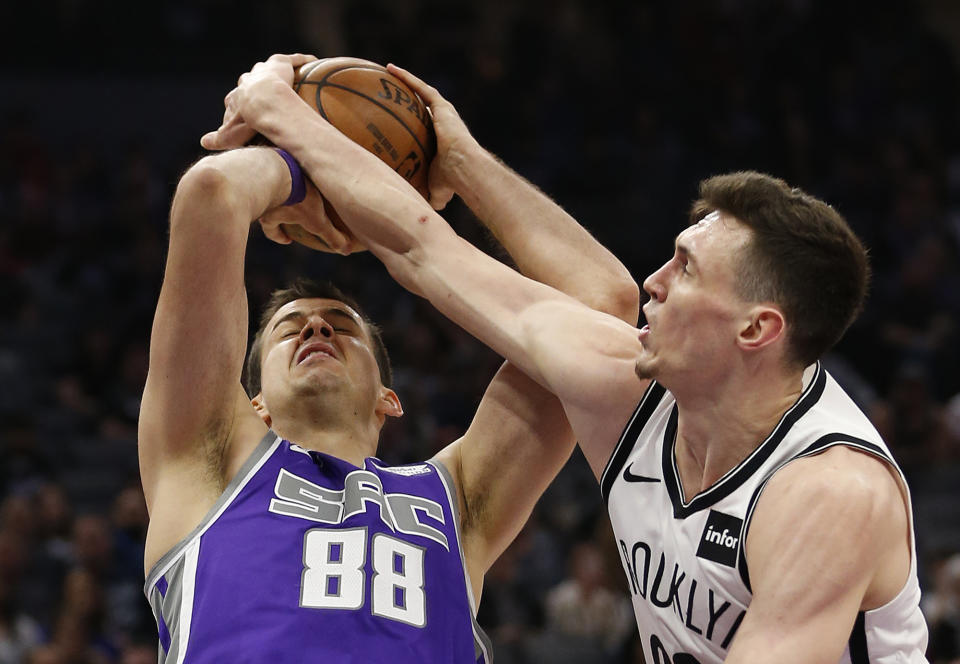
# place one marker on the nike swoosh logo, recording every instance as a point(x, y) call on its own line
point(630, 477)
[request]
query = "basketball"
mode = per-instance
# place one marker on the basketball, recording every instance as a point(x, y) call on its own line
point(374, 109)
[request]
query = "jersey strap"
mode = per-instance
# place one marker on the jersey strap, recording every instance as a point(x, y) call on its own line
point(628, 439)
point(857, 645)
point(822, 444)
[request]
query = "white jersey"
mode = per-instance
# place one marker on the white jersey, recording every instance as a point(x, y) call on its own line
point(684, 560)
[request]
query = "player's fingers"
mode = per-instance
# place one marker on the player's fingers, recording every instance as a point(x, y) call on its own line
point(302, 236)
point(429, 93)
point(440, 196)
point(214, 140)
point(294, 59)
point(351, 244)
point(209, 141)
point(233, 135)
point(300, 59)
point(275, 232)
point(411, 79)
point(337, 240)
point(230, 103)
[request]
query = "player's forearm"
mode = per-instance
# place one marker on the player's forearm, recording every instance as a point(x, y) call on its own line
point(547, 244)
point(224, 193)
point(381, 208)
point(209, 225)
point(524, 321)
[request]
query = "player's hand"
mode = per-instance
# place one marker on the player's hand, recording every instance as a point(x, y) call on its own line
point(287, 223)
point(454, 141)
point(243, 105)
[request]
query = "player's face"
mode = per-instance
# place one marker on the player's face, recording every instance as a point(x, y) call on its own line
point(694, 313)
point(318, 346)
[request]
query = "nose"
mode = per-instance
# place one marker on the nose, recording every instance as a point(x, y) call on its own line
point(655, 286)
point(316, 325)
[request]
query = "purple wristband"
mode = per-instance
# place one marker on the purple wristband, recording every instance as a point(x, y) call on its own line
point(298, 187)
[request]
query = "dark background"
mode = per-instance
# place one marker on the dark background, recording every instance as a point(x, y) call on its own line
point(615, 109)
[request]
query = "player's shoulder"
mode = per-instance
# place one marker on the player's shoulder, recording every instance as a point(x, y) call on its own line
point(840, 482)
point(834, 515)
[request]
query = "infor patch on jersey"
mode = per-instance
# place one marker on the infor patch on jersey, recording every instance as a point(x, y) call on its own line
point(720, 539)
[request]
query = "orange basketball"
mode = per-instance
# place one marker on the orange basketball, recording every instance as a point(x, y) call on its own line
point(376, 110)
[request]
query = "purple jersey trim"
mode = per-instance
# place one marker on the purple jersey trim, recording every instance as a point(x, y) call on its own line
point(163, 633)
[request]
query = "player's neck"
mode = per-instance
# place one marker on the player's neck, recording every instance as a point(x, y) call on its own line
point(349, 439)
point(719, 428)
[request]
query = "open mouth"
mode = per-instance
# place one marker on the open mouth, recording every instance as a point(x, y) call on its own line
point(315, 351)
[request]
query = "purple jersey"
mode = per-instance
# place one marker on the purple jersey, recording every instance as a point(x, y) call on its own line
point(306, 557)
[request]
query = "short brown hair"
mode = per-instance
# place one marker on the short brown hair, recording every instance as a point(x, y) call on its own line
point(307, 288)
point(803, 256)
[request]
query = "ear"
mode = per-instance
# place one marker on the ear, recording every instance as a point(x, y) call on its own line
point(260, 406)
point(765, 325)
point(388, 405)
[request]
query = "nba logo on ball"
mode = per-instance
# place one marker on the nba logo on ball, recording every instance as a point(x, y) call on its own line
point(375, 109)
point(720, 539)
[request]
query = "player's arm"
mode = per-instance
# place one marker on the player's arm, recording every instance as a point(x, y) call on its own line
point(193, 403)
point(829, 538)
point(585, 357)
point(545, 242)
point(519, 438)
point(193, 397)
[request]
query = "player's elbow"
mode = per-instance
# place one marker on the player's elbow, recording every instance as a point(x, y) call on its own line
point(207, 192)
point(618, 296)
point(204, 177)
point(203, 182)
point(625, 297)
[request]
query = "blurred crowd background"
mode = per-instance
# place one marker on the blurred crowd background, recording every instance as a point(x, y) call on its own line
point(616, 109)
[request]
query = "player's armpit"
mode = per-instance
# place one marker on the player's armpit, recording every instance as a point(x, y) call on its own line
point(828, 539)
point(515, 445)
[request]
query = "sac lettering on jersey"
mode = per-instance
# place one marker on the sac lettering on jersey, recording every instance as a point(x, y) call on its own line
point(301, 498)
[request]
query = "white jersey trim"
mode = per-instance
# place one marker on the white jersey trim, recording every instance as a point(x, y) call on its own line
point(191, 559)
